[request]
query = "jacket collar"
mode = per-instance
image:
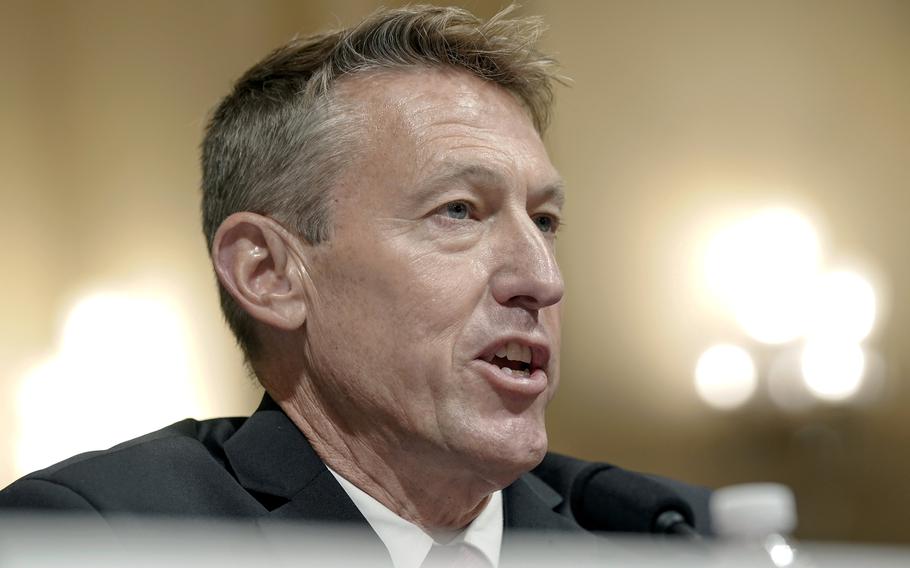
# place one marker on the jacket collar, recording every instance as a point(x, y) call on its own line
point(273, 460)
point(269, 454)
point(529, 504)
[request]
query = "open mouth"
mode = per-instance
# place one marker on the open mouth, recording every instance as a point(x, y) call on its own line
point(517, 367)
point(513, 358)
point(510, 367)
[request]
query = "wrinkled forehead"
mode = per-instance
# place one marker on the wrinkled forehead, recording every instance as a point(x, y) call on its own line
point(424, 119)
point(416, 95)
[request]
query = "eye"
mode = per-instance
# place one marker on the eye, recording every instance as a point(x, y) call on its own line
point(456, 210)
point(546, 223)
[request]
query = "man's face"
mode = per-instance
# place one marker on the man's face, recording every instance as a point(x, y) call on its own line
point(434, 321)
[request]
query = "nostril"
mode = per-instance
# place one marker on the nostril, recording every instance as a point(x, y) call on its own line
point(525, 302)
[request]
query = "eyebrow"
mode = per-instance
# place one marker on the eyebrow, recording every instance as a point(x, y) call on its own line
point(553, 191)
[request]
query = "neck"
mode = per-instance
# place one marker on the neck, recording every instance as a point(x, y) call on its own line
point(429, 490)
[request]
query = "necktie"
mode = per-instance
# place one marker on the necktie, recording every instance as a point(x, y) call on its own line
point(458, 555)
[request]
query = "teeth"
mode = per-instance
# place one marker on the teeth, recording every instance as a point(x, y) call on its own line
point(515, 373)
point(515, 352)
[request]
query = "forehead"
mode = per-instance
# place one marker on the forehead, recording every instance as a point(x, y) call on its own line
point(414, 90)
point(424, 119)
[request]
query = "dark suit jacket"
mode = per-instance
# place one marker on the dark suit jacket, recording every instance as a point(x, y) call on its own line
point(261, 467)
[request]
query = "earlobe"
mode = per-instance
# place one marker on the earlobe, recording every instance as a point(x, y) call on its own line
point(257, 263)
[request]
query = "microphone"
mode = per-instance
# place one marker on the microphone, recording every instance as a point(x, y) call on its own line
point(605, 498)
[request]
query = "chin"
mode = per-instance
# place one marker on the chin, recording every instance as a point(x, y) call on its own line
point(533, 453)
point(506, 458)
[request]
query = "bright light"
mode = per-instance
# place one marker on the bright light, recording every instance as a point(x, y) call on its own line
point(122, 369)
point(776, 316)
point(843, 307)
point(763, 269)
point(780, 551)
point(725, 376)
point(833, 370)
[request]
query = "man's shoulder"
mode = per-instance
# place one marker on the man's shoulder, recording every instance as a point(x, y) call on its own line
point(189, 436)
point(160, 471)
point(182, 442)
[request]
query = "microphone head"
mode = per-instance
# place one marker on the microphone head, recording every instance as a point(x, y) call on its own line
point(605, 498)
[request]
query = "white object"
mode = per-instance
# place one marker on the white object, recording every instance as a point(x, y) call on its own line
point(753, 510)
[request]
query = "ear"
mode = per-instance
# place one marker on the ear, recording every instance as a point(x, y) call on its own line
point(260, 264)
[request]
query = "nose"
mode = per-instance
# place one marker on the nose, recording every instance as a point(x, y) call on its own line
point(527, 274)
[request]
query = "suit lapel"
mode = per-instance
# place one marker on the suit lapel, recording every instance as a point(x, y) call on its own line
point(529, 504)
point(273, 460)
point(529, 518)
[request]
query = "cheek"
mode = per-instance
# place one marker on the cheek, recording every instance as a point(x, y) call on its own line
point(440, 297)
point(395, 305)
point(428, 295)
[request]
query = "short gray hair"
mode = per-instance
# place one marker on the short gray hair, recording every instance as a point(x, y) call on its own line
point(278, 142)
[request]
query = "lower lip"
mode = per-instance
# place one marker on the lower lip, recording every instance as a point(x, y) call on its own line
point(533, 385)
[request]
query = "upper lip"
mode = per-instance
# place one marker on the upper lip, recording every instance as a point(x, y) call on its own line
point(540, 351)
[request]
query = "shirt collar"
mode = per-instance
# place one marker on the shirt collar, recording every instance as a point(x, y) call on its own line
point(408, 544)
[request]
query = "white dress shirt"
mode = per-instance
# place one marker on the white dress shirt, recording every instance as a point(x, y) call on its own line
point(408, 544)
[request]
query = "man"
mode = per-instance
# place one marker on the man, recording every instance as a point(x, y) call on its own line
point(381, 215)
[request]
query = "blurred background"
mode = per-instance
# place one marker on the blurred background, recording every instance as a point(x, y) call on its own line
point(734, 250)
